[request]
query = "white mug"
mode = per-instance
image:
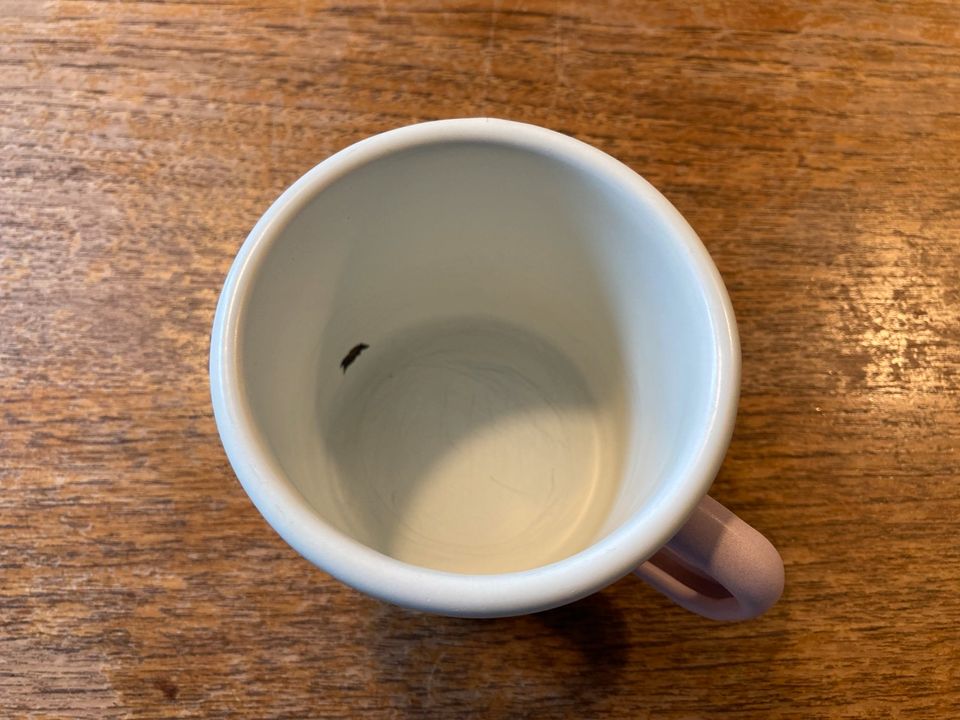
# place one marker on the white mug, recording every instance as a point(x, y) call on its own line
point(479, 368)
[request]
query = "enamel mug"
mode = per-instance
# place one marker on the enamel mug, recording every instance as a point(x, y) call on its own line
point(479, 368)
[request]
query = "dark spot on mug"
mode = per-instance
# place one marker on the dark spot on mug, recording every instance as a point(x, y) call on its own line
point(352, 355)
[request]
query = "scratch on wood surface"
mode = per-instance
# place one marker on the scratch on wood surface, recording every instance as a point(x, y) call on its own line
point(558, 78)
point(488, 53)
point(23, 8)
point(428, 686)
point(74, 684)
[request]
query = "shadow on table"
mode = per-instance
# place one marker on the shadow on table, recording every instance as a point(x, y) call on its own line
point(621, 652)
point(444, 667)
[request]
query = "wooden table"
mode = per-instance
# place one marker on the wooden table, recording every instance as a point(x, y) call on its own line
point(814, 146)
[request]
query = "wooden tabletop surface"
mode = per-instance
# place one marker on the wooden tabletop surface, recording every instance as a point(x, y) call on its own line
point(814, 146)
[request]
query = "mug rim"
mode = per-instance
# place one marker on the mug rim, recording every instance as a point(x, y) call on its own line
point(426, 589)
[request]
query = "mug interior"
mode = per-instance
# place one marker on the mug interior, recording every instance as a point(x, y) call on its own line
point(477, 355)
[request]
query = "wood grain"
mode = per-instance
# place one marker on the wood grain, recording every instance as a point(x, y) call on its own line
point(814, 146)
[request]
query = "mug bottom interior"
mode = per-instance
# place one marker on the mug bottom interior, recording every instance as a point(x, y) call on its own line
point(467, 445)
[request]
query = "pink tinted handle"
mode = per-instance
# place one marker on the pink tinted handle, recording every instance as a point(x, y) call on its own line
point(717, 566)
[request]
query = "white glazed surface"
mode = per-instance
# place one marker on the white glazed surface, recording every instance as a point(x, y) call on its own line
point(483, 261)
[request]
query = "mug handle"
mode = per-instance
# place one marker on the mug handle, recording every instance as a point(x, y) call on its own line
point(717, 566)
